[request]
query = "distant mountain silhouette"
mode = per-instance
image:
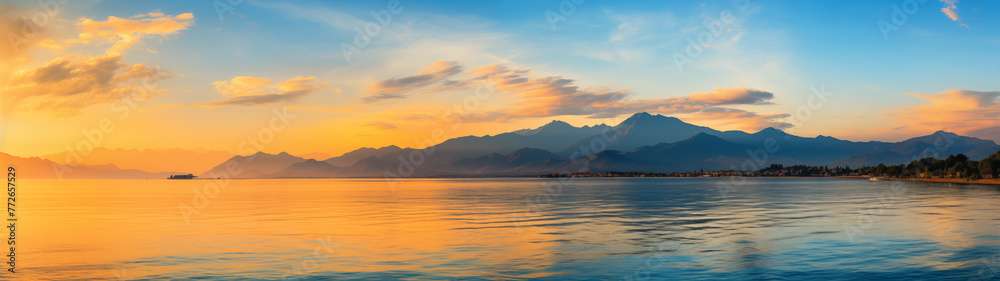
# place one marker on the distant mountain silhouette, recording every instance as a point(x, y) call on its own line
point(310, 168)
point(38, 168)
point(371, 167)
point(151, 160)
point(642, 142)
point(259, 164)
point(638, 130)
point(365, 152)
point(524, 160)
point(688, 154)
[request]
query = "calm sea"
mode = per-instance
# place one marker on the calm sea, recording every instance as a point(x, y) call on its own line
point(507, 229)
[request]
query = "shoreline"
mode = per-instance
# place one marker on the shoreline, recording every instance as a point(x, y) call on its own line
point(959, 181)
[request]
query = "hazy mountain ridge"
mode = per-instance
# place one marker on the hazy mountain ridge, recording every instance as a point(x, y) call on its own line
point(38, 168)
point(642, 142)
point(151, 160)
point(257, 165)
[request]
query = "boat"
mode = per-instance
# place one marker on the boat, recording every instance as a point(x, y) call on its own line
point(182, 177)
point(878, 178)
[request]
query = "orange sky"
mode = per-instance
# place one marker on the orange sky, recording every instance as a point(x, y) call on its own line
point(85, 81)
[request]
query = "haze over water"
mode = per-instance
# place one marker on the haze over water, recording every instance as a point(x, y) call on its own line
point(484, 229)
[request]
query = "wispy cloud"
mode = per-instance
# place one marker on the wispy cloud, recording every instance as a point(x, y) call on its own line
point(739, 95)
point(124, 33)
point(547, 96)
point(253, 91)
point(434, 74)
point(554, 96)
point(382, 96)
point(381, 125)
point(950, 9)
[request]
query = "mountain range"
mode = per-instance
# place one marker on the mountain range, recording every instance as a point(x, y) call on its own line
point(643, 142)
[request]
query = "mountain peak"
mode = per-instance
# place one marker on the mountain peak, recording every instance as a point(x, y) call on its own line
point(260, 153)
point(642, 114)
point(646, 115)
point(646, 118)
point(771, 131)
point(703, 136)
point(554, 127)
point(557, 123)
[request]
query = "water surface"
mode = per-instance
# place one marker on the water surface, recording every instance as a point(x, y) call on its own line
point(506, 229)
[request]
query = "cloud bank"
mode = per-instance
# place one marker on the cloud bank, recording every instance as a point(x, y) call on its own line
point(548, 96)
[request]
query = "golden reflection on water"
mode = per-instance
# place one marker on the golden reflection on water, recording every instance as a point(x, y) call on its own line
point(270, 229)
point(89, 228)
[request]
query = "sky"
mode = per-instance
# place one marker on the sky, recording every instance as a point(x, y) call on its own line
point(333, 76)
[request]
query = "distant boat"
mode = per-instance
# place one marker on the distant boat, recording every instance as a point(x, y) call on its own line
point(181, 177)
point(878, 178)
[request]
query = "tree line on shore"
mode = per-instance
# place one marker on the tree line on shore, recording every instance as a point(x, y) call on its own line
point(954, 167)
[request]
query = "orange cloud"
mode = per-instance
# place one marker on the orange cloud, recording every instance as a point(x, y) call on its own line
point(434, 74)
point(253, 91)
point(949, 9)
point(962, 111)
point(548, 96)
point(21, 33)
point(553, 96)
point(67, 84)
point(124, 33)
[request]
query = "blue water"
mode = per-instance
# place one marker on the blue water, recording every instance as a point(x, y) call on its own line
point(513, 229)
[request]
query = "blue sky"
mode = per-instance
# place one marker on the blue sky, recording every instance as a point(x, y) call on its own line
point(784, 48)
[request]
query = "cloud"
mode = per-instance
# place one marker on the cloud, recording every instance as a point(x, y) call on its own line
point(949, 9)
point(553, 96)
point(20, 33)
point(67, 84)
point(381, 125)
point(739, 95)
point(433, 74)
point(741, 119)
point(548, 96)
point(960, 111)
point(124, 33)
point(253, 91)
point(633, 28)
point(382, 96)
